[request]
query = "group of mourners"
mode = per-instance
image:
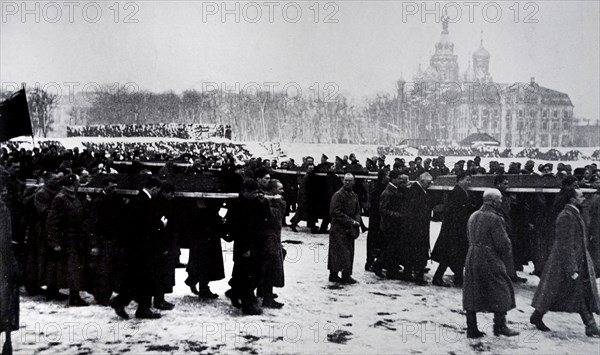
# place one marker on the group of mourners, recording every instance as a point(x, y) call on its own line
point(475, 244)
point(55, 238)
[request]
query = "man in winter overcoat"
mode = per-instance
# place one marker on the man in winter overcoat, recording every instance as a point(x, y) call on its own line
point(568, 282)
point(68, 243)
point(246, 220)
point(489, 264)
point(393, 210)
point(345, 227)
point(141, 253)
point(418, 229)
point(9, 286)
point(452, 245)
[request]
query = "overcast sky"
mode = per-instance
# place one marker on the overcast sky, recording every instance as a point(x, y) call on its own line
point(362, 47)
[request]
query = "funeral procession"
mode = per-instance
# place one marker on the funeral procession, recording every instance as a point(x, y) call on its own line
point(299, 177)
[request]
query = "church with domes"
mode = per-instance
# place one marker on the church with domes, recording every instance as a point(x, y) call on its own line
point(445, 105)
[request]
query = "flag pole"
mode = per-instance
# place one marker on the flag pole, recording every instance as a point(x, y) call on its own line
point(30, 124)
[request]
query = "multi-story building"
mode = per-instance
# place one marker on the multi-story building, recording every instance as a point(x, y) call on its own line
point(447, 107)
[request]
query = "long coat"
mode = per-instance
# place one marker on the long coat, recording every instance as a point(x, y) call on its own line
point(557, 291)
point(393, 212)
point(168, 253)
point(592, 219)
point(452, 244)
point(142, 248)
point(418, 224)
point(9, 289)
point(205, 263)
point(105, 228)
point(36, 265)
point(487, 285)
point(271, 249)
point(344, 210)
point(67, 268)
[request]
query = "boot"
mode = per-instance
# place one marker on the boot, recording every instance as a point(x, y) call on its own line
point(146, 314)
point(472, 331)
point(591, 329)
point(235, 300)
point(294, 228)
point(536, 319)
point(75, 300)
point(206, 293)
point(160, 303)
point(250, 308)
point(54, 294)
point(119, 309)
point(333, 277)
point(192, 286)
point(500, 327)
point(269, 302)
point(347, 279)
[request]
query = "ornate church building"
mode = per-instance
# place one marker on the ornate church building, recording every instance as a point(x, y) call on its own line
point(445, 105)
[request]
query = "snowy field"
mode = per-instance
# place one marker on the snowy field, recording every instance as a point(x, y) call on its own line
point(373, 316)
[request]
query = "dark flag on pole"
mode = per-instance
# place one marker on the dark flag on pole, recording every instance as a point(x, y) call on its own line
point(14, 117)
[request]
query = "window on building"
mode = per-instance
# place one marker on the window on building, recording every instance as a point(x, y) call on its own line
point(545, 113)
point(533, 113)
point(566, 125)
point(520, 113)
point(555, 126)
point(555, 113)
point(508, 113)
point(565, 114)
point(496, 112)
point(544, 125)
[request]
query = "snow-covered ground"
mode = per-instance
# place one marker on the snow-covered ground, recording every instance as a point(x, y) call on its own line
point(373, 316)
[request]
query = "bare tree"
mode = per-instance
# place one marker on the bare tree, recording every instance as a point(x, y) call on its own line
point(41, 108)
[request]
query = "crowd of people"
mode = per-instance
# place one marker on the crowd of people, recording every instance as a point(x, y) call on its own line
point(171, 130)
point(67, 240)
point(490, 152)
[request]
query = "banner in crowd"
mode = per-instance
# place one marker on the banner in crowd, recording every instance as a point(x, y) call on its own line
point(14, 117)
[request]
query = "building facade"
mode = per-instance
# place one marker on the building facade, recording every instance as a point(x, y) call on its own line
point(440, 104)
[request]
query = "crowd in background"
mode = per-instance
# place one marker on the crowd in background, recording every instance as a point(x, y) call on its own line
point(171, 130)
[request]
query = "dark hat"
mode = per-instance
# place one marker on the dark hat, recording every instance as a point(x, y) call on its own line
point(69, 180)
point(461, 162)
point(369, 160)
point(324, 156)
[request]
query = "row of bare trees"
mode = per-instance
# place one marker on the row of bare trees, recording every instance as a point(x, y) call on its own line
point(263, 116)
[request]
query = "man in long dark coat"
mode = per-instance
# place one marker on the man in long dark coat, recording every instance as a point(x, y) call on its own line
point(9, 287)
point(345, 227)
point(374, 235)
point(35, 268)
point(302, 211)
point(168, 254)
point(245, 221)
point(489, 264)
point(592, 220)
point(141, 251)
point(419, 220)
point(568, 283)
point(271, 250)
point(452, 244)
point(205, 263)
point(106, 213)
point(394, 212)
point(69, 245)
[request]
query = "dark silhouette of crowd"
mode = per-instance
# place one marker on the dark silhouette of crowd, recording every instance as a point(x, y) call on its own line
point(171, 130)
